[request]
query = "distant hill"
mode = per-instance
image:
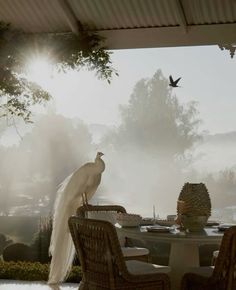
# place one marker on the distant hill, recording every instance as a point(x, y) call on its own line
point(216, 152)
point(99, 130)
point(228, 137)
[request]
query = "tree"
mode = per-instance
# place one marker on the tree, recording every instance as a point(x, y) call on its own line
point(222, 187)
point(4, 242)
point(155, 120)
point(148, 149)
point(10, 173)
point(17, 93)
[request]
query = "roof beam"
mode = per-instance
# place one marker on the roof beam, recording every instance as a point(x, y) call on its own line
point(181, 15)
point(169, 36)
point(70, 17)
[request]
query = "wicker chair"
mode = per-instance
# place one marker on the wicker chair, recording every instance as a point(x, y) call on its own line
point(220, 277)
point(102, 262)
point(106, 212)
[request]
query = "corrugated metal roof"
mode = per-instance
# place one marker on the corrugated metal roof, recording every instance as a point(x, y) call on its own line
point(124, 14)
point(199, 12)
point(45, 15)
point(33, 16)
point(114, 15)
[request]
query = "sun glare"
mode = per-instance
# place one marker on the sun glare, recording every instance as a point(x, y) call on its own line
point(39, 70)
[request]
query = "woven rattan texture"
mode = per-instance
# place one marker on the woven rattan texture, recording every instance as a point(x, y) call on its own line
point(83, 213)
point(224, 274)
point(102, 262)
point(83, 210)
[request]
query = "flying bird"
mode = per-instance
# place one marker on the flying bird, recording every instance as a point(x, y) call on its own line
point(74, 191)
point(173, 83)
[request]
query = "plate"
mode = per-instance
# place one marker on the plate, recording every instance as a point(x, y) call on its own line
point(158, 229)
point(212, 223)
point(224, 227)
point(167, 223)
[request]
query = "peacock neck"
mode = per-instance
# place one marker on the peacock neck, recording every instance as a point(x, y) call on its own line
point(100, 164)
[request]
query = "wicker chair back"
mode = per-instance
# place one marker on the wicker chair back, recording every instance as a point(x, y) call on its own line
point(102, 262)
point(83, 210)
point(225, 266)
point(223, 276)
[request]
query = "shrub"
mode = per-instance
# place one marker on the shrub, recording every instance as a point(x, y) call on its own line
point(32, 271)
point(41, 241)
point(38, 251)
point(23, 271)
point(4, 241)
point(18, 252)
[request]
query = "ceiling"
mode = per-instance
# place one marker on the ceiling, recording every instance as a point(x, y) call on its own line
point(129, 23)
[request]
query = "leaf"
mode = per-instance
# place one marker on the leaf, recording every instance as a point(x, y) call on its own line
point(69, 51)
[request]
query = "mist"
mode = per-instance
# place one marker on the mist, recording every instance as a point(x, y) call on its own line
point(155, 148)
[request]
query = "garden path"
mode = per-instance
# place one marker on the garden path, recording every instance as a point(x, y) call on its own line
point(36, 285)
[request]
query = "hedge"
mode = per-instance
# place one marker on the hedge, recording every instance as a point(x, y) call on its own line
point(33, 271)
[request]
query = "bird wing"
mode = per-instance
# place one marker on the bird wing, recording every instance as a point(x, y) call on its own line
point(176, 81)
point(171, 79)
point(93, 183)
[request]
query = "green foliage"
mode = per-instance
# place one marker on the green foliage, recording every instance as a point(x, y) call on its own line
point(230, 47)
point(37, 251)
point(75, 274)
point(72, 51)
point(41, 240)
point(4, 242)
point(23, 271)
point(17, 93)
point(18, 252)
point(33, 271)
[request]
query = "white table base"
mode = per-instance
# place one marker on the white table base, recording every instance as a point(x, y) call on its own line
point(188, 254)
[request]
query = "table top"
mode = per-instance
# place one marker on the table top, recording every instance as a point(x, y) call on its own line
point(207, 236)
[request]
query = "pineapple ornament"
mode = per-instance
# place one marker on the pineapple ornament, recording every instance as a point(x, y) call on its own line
point(193, 206)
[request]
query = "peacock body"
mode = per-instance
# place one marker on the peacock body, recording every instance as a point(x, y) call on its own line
point(75, 190)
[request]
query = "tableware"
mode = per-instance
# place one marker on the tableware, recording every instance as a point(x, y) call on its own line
point(212, 223)
point(168, 223)
point(225, 226)
point(158, 229)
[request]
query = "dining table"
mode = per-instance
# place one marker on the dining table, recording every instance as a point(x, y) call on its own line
point(184, 246)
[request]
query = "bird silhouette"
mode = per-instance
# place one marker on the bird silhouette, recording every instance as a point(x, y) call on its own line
point(74, 191)
point(173, 83)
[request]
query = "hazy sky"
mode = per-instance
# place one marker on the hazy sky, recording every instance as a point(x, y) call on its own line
point(208, 77)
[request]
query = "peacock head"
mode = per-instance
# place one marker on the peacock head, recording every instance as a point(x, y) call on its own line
point(100, 154)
